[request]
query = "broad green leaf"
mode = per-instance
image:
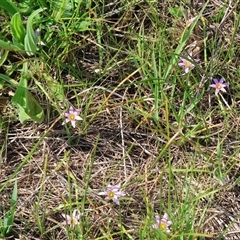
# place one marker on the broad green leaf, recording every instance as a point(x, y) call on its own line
point(8, 6)
point(19, 97)
point(60, 7)
point(9, 46)
point(27, 104)
point(17, 29)
point(30, 40)
point(34, 110)
point(23, 117)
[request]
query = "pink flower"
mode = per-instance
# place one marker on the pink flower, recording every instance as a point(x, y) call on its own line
point(113, 193)
point(186, 65)
point(72, 116)
point(162, 223)
point(219, 85)
point(72, 220)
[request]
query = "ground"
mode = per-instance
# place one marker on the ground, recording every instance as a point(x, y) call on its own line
point(162, 133)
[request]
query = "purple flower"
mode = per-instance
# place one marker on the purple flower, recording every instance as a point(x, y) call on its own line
point(72, 116)
point(113, 193)
point(162, 223)
point(219, 85)
point(186, 65)
point(72, 220)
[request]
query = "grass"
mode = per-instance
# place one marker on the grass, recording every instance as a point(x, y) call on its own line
point(162, 134)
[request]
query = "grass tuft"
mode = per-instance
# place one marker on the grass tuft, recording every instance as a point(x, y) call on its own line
point(151, 129)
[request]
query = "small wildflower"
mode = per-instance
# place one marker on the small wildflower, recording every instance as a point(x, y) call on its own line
point(219, 85)
point(113, 193)
point(37, 34)
point(186, 65)
point(72, 116)
point(162, 223)
point(72, 220)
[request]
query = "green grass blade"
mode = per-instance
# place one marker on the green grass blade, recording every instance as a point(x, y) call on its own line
point(9, 7)
point(185, 36)
point(7, 79)
point(4, 55)
point(14, 195)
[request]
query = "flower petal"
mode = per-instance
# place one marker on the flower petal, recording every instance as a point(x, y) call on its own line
point(116, 200)
point(213, 85)
point(223, 89)
point(73, 122)
point(116, 187)
point(157, 217)
point(67, 219)
point(165, 216)
point(78, 118)
point(76, 214)
point(102, 193)
point(222, 80)
point(71, 110)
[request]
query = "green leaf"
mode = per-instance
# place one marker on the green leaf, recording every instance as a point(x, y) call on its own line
point(30, 40)
point(60, 7)
point(6, 223)
point(9, 80)
point(19, 97)
point(8, 219)
point(11, 213)
point(55, 87)
point(34, 110)
point(82, 26)
point(3, 54)
point(23, 117)
point(176, 12)
point(10, 46)
point(8, 6)
point(17, 29)
point(14, 195)
point(1, 84)
point(27, 104)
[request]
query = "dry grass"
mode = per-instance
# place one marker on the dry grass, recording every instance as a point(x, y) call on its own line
point(118, 142)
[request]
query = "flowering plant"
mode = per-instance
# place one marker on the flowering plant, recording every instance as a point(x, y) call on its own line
point(186, 64)
point(72, 116)
point(72, 220)
point(219, 85)
point(113, 193)
point(162, 223)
